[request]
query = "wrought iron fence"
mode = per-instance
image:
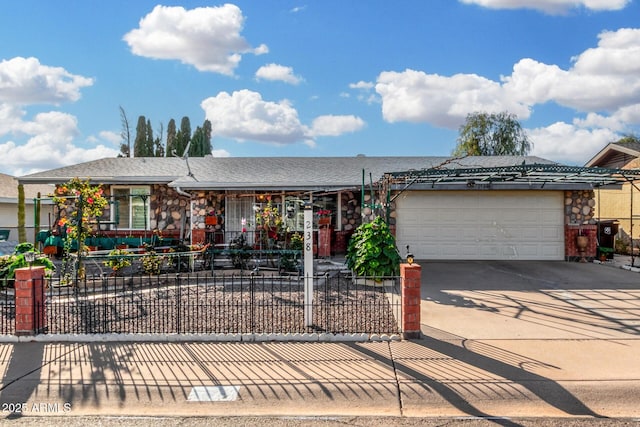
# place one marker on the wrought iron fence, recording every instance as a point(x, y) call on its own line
point(204, 303)
point(7, 308)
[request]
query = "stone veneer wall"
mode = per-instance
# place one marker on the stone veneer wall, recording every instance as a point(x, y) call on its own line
point(168, 209)
point(579, 218)
point(579, 207)
point(206, 202)
point(351, 211)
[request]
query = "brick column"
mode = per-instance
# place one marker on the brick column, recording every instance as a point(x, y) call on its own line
point(29, 288)
point(410, 278)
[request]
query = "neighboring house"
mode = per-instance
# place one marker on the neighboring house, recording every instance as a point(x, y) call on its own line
point(621, 202)
point(9, 206)
point(474, 219)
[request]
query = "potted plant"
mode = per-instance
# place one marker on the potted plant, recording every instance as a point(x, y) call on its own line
point(324, 217)
point(372, 251)
point(269, 221)
point(152, 263)
point(118, 259)
point(582, 241)
point(211, 218)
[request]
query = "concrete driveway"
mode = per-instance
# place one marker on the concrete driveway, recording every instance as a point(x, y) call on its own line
point(531, 299)
point(555, 338)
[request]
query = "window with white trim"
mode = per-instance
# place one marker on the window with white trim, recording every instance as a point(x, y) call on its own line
point(130, 207)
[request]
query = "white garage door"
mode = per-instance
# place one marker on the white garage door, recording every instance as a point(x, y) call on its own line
point(481, 225)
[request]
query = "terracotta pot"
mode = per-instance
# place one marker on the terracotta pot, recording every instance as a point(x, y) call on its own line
point(324, 220)
point(582, 242)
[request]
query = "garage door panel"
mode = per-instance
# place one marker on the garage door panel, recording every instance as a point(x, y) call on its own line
point(482, 224)
point(551, 233)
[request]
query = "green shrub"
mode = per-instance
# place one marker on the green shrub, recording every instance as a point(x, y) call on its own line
point(9, 263)
point(372, 251)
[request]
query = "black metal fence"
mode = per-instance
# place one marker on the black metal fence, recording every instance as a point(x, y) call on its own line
point(7, 308)
point(206, 303)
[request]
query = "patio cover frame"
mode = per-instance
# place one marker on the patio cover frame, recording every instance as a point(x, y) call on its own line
point(527, 175)
point(531, 176)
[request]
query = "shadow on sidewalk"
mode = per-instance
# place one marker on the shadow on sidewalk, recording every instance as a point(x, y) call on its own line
point(21, 378)
point(452, 369)
point(426, 366)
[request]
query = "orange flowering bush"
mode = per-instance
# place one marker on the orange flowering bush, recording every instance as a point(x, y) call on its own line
point(82, 203)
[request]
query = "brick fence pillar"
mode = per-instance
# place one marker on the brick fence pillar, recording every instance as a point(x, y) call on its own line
point(29, 288)
point(410, 278)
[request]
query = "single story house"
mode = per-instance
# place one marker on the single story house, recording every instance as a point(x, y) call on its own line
point(619, 203)
point(473, 208)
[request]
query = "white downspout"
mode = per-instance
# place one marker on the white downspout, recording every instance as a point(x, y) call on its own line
point(184, 193)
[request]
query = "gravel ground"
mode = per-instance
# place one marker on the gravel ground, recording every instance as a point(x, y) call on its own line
point(204, 303)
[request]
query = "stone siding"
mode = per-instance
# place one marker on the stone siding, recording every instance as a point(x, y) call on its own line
point(167, 209)
point(579, 207)
point(351, 211)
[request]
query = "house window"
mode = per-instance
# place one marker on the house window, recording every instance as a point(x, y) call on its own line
point(293, 213)
point(130, 207)
point(330, 203)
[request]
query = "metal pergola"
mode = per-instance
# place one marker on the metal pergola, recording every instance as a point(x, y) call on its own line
point(531, 175)
point(524, 176)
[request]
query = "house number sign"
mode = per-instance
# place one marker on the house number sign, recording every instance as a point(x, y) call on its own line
point(308, 264)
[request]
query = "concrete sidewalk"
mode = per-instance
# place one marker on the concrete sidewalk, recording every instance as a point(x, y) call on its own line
point(439, 376)
point(499, 340)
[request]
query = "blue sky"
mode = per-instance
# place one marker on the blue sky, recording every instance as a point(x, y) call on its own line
point(315, 78)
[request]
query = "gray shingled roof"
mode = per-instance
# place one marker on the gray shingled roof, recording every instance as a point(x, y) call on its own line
point(115, 170)
point(255, 173)
point(9, 190)
point(635, 146)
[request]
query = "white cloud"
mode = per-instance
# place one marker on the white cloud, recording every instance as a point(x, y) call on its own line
point(604, 78)
point(206, 37)
point(279, 73)
point(46, 140)
point(568, 143)
point(415, 96)
point(551, 6)
point(49, 145)
point(112, 137)
point(220, 153)
point(25, 81)
point(331, 125)
point(244, 115)
point(361, 85)
point(10, 118)
point(603, 82)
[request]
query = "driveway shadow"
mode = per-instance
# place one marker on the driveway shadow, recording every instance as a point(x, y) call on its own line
point(585, 300)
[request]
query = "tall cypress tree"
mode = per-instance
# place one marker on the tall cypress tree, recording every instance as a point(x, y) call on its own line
point(183, 136)
point(149, 143)
point(158, 148)
point(207, 137)
point(171, 138)
point(197, 143)
point(141, 137)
